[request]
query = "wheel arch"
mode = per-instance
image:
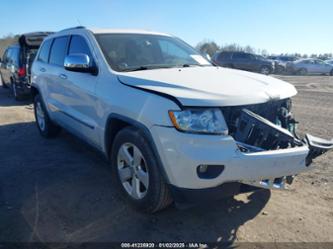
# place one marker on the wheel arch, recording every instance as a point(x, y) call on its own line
point(117, 122)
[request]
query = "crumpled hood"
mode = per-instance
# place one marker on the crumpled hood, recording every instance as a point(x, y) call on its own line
point(210, 86)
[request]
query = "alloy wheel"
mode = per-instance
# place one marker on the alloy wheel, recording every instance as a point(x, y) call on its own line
point(133, 171)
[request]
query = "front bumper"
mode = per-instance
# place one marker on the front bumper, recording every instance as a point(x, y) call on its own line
point(182, 153)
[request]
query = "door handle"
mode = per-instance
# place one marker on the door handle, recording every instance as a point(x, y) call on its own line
point(63, 76)
point(42, 69)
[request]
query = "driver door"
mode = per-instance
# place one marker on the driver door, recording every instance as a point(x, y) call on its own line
point(78, 95)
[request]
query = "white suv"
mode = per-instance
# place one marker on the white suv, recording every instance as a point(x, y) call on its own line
point(174, 126)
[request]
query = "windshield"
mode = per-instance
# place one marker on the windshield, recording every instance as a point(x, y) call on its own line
point(130, 52)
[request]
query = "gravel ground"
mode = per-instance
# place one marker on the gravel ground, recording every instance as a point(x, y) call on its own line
point(60, 190)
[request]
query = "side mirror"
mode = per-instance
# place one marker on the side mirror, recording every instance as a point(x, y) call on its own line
point(79, 63)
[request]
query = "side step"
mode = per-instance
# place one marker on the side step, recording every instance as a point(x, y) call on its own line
point(317, 146)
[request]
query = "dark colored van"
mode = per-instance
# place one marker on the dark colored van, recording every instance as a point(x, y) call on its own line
point(244, 61)
point(16, 63)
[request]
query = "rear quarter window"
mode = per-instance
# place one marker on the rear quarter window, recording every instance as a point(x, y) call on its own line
point(44, 51)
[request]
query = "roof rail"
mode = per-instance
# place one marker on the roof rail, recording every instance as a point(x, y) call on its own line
point(77, 27)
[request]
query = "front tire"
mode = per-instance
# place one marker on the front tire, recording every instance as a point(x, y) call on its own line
point(45, 126)
point(137, 173)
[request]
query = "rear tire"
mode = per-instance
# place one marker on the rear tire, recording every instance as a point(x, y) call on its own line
point(45, 126)
point(131, 154)
point(302, 71)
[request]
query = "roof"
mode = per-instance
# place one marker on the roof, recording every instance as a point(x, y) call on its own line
point(126, 31)
point(33, 39)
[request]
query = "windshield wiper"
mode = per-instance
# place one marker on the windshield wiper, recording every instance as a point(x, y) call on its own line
point(145, 67)
point(141, 68)
point(197, 65)
point(150, 67)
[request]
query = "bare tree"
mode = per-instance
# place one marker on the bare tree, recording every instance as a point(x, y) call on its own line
point(208, 47)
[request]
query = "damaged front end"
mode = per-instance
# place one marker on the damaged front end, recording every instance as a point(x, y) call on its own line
point(270, 126)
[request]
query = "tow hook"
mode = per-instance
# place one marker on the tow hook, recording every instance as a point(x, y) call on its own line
point(317, 147)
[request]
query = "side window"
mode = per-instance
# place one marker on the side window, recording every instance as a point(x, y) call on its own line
point(44, 51)
point(224, 56)
point(4, 57)
point(249, 57)
point(58, 51)
point(241, 56)
point(79, 45)
point(15, 56)
point(10, 56)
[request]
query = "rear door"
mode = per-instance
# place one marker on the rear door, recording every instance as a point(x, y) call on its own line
point(41, 72)
point(242, 61)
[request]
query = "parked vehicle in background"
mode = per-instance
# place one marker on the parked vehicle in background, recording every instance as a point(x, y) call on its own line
point(173, 126)
point(309, 66)
point(330, 61)
point(244, 61)
point(281, 62)
point(16, 63)
point(282, 58)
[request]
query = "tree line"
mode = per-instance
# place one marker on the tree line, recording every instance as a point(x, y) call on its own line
point(210, 48)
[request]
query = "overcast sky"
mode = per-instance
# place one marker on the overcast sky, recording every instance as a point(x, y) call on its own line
point(303, 26)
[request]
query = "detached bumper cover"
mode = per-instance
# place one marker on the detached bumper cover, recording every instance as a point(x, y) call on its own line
point(317, 146)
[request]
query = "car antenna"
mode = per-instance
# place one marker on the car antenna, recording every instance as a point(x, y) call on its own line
point(78, 21)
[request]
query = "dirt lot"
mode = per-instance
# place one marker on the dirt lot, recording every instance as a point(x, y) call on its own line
point(61, 190)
